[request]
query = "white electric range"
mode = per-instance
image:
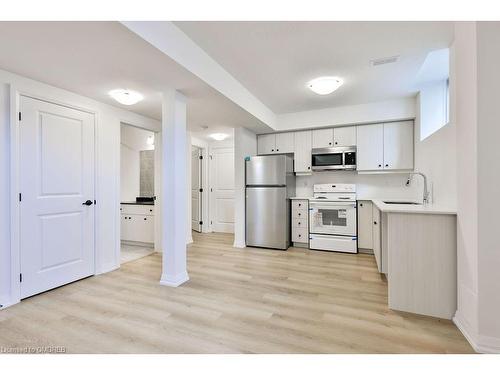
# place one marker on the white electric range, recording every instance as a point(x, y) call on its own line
point(332, 218)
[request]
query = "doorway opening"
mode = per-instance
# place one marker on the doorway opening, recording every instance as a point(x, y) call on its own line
point(137, 193)
point(197, 189)
point(212, 187)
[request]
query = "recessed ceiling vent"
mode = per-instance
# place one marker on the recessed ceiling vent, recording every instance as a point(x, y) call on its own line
point(384, 60)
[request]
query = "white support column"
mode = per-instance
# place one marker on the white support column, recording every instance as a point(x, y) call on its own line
point(173, 189)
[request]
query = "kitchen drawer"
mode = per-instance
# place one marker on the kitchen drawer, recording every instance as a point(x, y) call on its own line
point(300, 214)
point(299, 204)
point(299, 223)
point(136, 209)
point(300, 235)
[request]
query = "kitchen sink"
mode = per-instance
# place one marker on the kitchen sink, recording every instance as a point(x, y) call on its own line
point(391, 202)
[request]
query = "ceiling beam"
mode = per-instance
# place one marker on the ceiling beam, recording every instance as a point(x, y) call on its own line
point(170, 40)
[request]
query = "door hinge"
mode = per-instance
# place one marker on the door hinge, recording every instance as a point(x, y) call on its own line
point(20, 116)
point(20, 277)
point(211, 190)
point(211, 222)
point(20, 197)
point(201, 190)
point(201, 157)
point(201, 222)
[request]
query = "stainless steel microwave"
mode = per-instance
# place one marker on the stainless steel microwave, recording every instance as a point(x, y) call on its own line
point(334, 158)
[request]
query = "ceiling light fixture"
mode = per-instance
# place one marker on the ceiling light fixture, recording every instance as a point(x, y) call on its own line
point(126, 97)
point(325, 85)
point(218, 136)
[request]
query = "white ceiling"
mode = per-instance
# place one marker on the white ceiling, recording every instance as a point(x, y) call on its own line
point(91, 58)
point(275, 60)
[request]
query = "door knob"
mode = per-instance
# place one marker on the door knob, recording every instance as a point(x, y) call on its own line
point(88, 202)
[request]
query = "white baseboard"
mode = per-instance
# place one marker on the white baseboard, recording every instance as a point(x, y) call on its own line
point(480, 343)
point(9, 304)
point(175, 280)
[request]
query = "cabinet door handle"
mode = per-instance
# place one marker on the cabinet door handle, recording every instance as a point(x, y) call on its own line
point(375, 222)
point(300, 235)
point(387, 165)
point(272, 150)
point(277, 149)
point(308, 167)
point(361, 204)
point(336, 143)
point(330, 143)
point(145, 219)
point(380, 165)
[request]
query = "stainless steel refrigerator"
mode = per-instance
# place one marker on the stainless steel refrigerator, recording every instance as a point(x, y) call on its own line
point(270, 183)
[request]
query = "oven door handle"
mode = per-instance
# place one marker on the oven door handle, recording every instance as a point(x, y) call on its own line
point(327, 205)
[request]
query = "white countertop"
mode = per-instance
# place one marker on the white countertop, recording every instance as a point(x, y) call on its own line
point(435, 209)
point(412, 208)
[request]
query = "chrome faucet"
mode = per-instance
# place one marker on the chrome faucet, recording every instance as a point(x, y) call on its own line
point(426, 190)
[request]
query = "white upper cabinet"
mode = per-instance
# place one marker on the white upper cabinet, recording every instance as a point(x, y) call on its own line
point(322, 138)
point(266, 144)
point(370, 147)
point(398, 145)
point(281, 143)
point(344, 136)
point(303, 148)
point(385, 146)
point(285, 143)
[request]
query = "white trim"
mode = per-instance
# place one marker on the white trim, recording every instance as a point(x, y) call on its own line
point(239, 244)
point(174, 281)
point(480, 343)
point(15, 225)
point(15, 285)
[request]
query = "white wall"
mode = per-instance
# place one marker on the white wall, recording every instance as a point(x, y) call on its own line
point(436, 157)
point(107, 171)
point(245, 144)
point(391, 110)
point(369, 186)
point(5, 275)
point(465, 111)
point(488, 78)
point(130, 171)
point(132, 141)
point(476, 108)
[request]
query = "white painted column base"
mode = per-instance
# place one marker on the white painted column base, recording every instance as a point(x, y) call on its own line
point(176, 280)
point(239, 244)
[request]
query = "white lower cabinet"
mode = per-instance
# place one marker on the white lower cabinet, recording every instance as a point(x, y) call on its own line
point(365, 225)
point(377, 237)
point(137, 223)
point(300, 221)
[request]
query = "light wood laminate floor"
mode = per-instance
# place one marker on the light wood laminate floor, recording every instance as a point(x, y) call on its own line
point(236, 301)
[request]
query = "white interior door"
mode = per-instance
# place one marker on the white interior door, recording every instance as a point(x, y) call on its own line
point(222, 190)
point(196, 221)
point(56, 178)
